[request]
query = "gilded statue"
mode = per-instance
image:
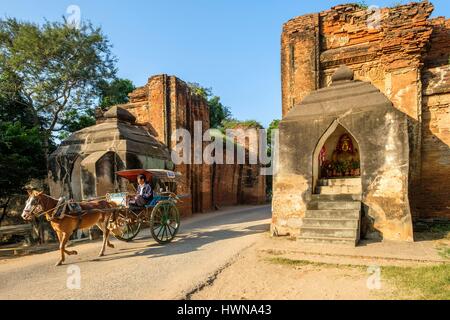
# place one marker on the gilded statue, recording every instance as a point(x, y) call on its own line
point(344, 150)
point(344, 160)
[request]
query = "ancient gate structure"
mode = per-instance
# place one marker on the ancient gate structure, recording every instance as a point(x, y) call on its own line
point(345, 145)
point(139, 134)
point(84, 165)
point(364, 148)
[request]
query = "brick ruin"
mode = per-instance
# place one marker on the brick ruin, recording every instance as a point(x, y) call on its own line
point(165, 104)
point(139, 134)
point(407, 58)
point(403, 53)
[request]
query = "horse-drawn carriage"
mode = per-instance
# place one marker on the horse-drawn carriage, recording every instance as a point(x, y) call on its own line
point(115, 214)
point(160, 213)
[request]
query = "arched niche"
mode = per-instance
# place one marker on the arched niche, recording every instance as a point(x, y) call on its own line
point(336, 155)
point(105, 173)
point(75, 180)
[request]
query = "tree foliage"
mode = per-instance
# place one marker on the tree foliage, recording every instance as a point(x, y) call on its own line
point(218, 113)
point(55, 68)
point(76, 120)
point(361, 4)
point(21, 156)
point(21, 152)
point(15, 110)
point(241, 124)
point(109, 93)
point(115, 92)
point(272, 126)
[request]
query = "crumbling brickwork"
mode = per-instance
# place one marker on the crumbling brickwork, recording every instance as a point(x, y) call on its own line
point(433, 192)
point(140, 134)
point(166, 104)
point(403, 53)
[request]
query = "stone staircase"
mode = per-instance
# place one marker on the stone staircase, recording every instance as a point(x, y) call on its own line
point(333, 214)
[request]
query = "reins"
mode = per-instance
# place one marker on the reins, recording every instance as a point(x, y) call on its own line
point(50, 218)
point(45, 212)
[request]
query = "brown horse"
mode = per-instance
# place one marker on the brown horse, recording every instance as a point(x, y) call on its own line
point(93, 213)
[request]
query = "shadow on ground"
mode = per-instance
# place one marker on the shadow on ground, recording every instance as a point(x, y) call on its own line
point(187, 243)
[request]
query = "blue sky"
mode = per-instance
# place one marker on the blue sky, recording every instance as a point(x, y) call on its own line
point(232, 46)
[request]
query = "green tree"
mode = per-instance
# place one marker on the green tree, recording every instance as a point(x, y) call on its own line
point(197, 89)
point(15, 110)
point(242, 124)
point(56, 68)
point(115, 92)
point(272, 126)
point(75, 120)
point(361, 4)
point(21, 156)
point(110, 93)
point(21, 153)
point(217, 111)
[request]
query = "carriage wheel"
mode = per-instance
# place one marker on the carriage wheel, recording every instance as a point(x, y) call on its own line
point(126, 229)
point(164, 222)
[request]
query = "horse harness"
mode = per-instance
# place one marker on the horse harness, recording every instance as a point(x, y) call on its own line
point(69, 208)
point(63, 209)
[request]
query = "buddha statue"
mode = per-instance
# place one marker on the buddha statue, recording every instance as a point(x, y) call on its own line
point(344, 149)
point(345, 157)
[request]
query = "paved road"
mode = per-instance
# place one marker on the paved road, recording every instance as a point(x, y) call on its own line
point(142, 269)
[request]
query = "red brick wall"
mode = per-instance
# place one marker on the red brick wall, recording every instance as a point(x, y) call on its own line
point(433, 193)
point(165, 104)
point(226, 183)
point(299, 54)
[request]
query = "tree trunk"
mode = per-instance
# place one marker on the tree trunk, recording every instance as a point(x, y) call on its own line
point(5, 210)
point(40, 221)
point(46, 151)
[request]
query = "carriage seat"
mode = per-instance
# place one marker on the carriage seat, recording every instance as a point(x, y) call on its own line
point(156, 198)
point(150, 204)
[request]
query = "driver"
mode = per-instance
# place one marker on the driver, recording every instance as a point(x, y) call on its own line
point(144, 192)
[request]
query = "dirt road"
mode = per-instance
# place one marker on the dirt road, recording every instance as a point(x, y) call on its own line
point(142, 269)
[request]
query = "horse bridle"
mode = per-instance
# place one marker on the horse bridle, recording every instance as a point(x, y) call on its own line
point(31, 212)
point(42, 212)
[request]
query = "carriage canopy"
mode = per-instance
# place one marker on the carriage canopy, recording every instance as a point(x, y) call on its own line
point(131, 175)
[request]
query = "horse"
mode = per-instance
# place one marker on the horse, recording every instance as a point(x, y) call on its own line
point(98, 213)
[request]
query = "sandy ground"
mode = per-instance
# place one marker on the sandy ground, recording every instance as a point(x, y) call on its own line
point(141, 269)
point(255, 276)
point(328, 272)
point(252, 277)
point(222, 255)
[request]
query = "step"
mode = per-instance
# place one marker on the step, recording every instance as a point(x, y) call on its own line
point(337, 197)
point(340, 182)
point(339, 189)
point(329, 232)
point(328, 240)
point(344, 205)
point(332, 214)
point(330, 223)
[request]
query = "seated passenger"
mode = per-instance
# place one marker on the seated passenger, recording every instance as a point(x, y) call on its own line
point(144, 192)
